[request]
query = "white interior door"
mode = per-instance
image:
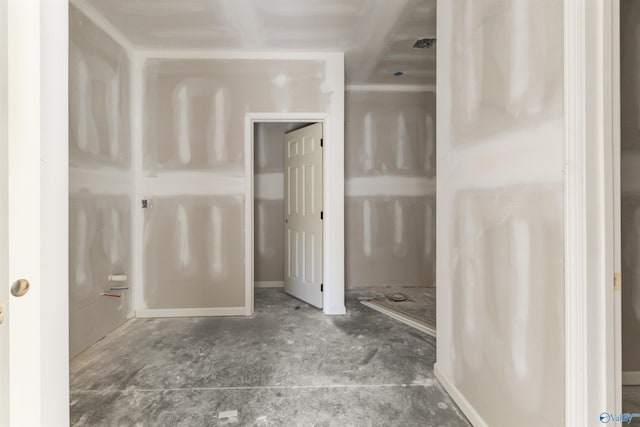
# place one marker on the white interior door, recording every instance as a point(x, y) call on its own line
point(20, 332)
point(303, 214)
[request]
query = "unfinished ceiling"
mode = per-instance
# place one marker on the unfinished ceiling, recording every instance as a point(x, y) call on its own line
point(376, 35)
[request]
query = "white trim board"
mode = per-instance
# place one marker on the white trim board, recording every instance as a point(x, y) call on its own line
point(591, 252)
point(189, 312)
point(269, 284)
point(630, 378)
point(422, 327)
point(137, 156)
point(464, 405)
point(576, 368)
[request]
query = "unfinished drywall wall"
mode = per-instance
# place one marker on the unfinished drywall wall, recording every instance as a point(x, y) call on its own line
point(630, 183)
point(390, 202)
point(390, 169)
point(193, 252)
point(194, 110)
point(193, 172)
point(99, 181)
point(500, 209)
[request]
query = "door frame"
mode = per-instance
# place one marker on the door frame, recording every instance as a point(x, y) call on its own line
point(333, 225)
point(592, 211)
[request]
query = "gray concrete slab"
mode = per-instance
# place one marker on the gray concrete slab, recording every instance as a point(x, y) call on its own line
point(288, 364)
point(631, 399)
point(420, 303)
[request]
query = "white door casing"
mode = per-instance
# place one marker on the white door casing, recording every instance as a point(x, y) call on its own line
point(303, 211)
point(592, 246)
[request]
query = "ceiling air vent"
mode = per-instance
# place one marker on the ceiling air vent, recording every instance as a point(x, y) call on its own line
point(424, 43)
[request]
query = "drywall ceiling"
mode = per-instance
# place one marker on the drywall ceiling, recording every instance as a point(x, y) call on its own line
point(376, 35)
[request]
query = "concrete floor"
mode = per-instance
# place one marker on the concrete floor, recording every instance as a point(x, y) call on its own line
point(420, 304)
point(631, 400)
point(289, 364)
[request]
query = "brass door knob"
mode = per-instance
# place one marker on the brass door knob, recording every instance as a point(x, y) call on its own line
point(20, 287)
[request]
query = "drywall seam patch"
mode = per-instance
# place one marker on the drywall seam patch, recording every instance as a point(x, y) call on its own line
point(100, 21)
point(137, 214)
point(269, 186)
point(367, 228)
point(191, 184)
point(397, 186)
point(494, 155)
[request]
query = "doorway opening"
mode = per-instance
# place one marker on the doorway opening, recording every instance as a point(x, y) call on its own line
point(286, 229)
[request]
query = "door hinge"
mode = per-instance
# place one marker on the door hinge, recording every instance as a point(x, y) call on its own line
point(321, 287)
point(321, 214)
point(321, 142)
point(617, 281)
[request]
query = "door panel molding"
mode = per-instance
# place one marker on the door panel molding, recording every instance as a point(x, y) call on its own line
point(304, 252)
